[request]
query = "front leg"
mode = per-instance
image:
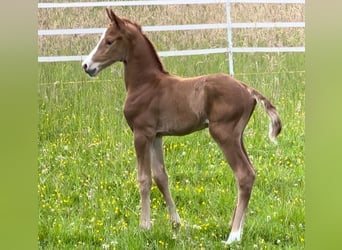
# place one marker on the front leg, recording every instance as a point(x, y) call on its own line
point(161, 179)
point(142, 145)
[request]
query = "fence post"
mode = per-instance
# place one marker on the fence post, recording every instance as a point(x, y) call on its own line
point(229, 37)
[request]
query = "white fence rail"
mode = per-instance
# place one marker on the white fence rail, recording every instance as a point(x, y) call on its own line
point(176, 28)
point(160, 2)
point(230, 49)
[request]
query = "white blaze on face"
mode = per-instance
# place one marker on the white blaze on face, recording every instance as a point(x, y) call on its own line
point(91, 67)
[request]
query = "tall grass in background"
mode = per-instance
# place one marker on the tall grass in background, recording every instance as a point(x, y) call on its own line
point(88, 194)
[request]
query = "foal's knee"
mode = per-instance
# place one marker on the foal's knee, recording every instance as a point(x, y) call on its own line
point(145, 184)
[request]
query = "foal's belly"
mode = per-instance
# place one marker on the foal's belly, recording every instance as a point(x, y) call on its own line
point(181, 125)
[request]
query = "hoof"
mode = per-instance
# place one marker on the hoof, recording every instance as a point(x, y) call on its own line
point(175, 221)
point(233, 237)
point(145, 225)
point(175, 225)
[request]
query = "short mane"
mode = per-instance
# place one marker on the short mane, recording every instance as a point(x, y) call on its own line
point(154, 51)
point(152, 48)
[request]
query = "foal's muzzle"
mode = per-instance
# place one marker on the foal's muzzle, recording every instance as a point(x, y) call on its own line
point(89, 71)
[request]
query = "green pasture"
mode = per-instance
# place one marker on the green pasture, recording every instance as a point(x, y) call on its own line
point(87, 187)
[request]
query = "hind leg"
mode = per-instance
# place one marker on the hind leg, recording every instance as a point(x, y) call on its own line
point(233, 215)
point(228, 136)
point(161, 179)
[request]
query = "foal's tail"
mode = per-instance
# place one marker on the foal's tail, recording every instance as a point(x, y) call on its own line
point(275, 125)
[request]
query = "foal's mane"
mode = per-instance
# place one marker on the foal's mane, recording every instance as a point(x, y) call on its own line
point(150, 45)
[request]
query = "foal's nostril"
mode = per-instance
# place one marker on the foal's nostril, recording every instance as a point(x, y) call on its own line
point(85, 66)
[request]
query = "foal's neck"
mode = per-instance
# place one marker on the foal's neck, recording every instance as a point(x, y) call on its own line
point(143, 63)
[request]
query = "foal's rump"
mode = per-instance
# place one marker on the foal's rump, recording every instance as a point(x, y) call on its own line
point(230, 99)
point(227, 99)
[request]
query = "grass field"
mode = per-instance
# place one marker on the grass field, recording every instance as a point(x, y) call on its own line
point(88, 193)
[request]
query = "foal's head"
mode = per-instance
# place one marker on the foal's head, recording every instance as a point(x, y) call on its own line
point(113, 44)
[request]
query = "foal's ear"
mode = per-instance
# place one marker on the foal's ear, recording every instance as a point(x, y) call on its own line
point(114, 18)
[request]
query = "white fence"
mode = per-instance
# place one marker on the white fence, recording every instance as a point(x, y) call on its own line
point(228, 25)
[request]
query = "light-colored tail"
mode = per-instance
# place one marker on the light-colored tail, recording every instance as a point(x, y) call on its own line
point(271, 111)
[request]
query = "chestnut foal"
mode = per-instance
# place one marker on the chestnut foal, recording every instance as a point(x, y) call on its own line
point(159, 104)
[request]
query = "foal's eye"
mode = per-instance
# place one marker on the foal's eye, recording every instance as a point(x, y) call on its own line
point(109, 42)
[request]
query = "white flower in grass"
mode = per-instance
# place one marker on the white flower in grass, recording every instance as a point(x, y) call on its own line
point(105, 246)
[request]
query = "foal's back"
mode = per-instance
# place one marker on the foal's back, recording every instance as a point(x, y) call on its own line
point(216, 89)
